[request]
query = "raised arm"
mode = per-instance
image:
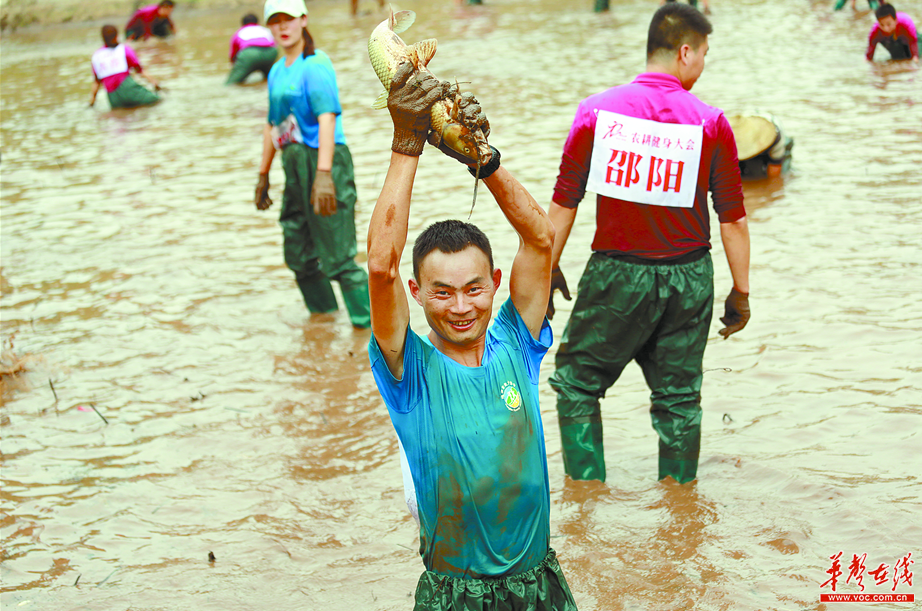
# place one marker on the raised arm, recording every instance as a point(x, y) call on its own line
point(530, 280)
point(409, 103)
point(387, 237)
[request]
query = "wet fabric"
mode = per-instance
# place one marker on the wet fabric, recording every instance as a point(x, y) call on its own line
point(307, 89)
point(656, 314)
point(543, 588)
point(474, 443)
point(250, 60)
point(319, 248)
point(131, 94)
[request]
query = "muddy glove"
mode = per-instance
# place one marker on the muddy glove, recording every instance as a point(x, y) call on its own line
point(410, 102)
point(262, 193)
point(558, 282)
point(323, 194)
point(736, 313)
point(470, 114)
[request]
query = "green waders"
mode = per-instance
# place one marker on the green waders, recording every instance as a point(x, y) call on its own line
point(656, 314)
point(130, 94)
point(322, 248)
point(249, 60)
point(543, 588)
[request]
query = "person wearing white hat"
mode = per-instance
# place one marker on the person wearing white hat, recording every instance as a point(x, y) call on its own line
point(318, 203)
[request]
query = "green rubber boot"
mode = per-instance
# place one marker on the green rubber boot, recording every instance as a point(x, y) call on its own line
point(583, 454)
point(318, 294)
point(682, 471)
point(357, 304)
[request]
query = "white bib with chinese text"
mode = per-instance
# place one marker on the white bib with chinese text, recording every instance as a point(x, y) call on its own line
point(109, 60)
point(287, 132)
point(645, 162)
point(252, 32)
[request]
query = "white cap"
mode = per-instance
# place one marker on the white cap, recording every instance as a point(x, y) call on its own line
point(295, 8)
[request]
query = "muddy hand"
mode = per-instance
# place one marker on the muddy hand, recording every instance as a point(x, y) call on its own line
point(470, 114)
point(262, 193)
point(736, 313)
point(323, 194)
point(410, 102)
point(558, 283)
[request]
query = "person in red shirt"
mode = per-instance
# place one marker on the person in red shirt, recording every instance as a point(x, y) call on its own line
point(896, 32)
point(112, 66)
point(651, 151)
point(151, 20)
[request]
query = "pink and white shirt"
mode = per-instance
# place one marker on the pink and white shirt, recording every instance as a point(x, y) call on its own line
point(613, 139)
point(250, 36)
point(111, 65)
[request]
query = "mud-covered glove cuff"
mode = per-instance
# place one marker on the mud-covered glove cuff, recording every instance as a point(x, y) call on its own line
point(486, 170)
point(409, 141)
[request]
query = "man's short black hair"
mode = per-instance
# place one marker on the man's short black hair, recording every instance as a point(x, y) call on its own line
point(885, 10)
point(249, 19)
point(674, 25)
point(166, 3)
point(449, 236)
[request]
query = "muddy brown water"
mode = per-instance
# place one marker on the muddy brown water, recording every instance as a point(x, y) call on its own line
point(141, 280)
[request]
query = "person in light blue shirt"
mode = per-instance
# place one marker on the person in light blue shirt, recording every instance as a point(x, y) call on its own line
point(464, 397)
point(318, 204)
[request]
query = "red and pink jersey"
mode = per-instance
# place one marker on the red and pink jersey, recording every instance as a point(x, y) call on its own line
point(250, 36)
point(146, 17)
point(111, 65)
point(655, 128)
point(905, 34)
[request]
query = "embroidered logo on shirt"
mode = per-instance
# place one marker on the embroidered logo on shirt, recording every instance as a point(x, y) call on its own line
point(511, 396)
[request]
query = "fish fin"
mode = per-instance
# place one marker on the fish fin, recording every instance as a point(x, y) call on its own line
point(401, 21)
point(455, 113)
point(412, 55)
point(425, 50)
point(381, 102)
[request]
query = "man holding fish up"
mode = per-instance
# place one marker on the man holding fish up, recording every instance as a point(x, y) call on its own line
point(464, 397)
point(651, 151)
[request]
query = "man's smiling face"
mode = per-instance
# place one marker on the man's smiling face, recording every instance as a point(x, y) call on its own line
point(456, 292)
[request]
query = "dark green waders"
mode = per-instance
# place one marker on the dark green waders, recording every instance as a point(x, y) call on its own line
point(322, 248)
point(131, 94)
point(543, 588)
point(250, 60)
point(658, 315)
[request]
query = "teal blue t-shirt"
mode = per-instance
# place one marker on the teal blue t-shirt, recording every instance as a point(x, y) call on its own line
point(307, 89)
point(475, 447)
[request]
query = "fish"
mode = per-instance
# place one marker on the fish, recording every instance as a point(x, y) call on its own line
point(387, 51)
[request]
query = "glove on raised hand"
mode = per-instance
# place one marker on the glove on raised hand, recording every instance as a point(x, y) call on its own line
point(323, 194)
point(262, 193)
point(736, 313)
point(470, 114)
point(558, 282)
point(410, 102)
